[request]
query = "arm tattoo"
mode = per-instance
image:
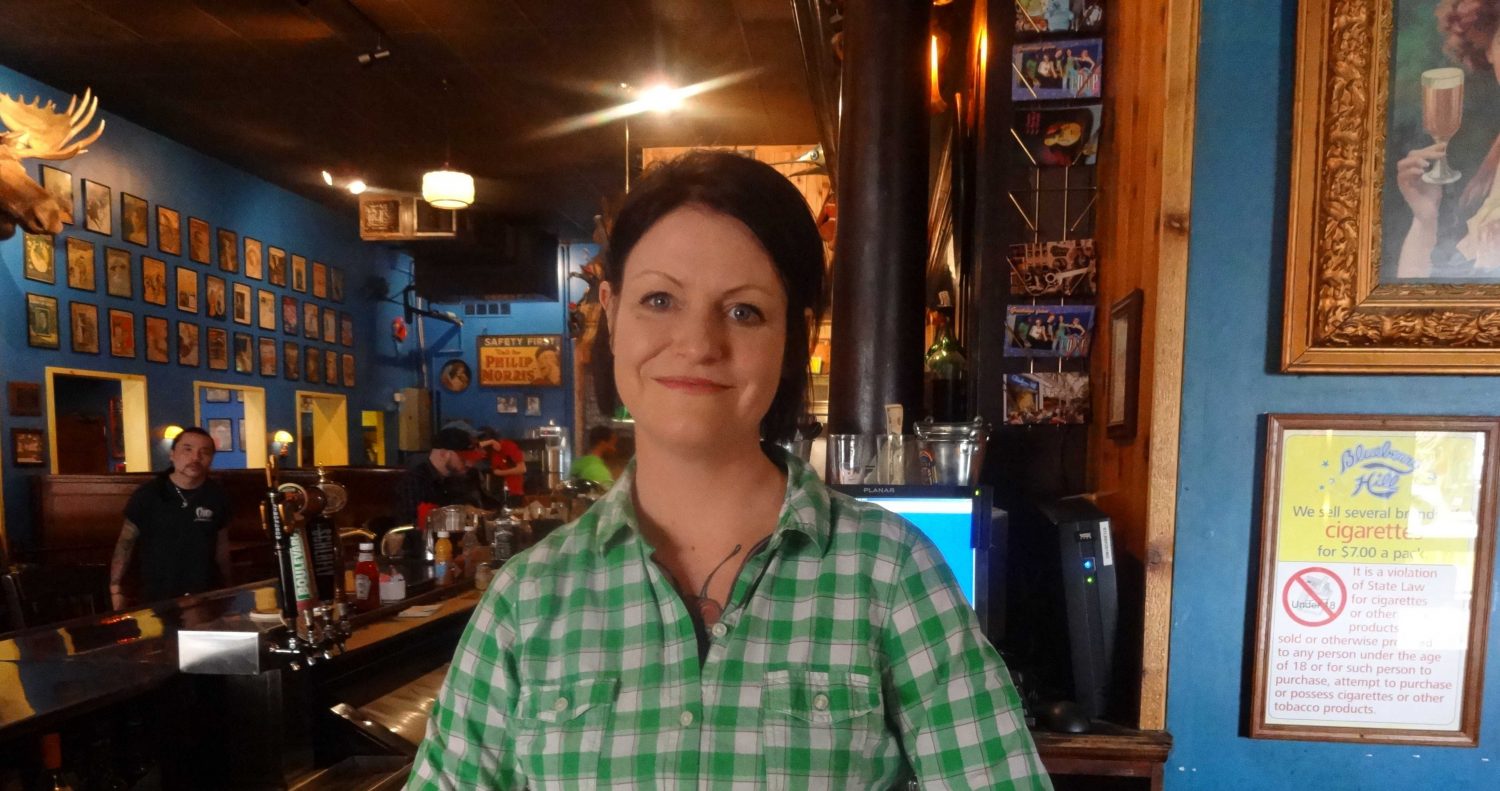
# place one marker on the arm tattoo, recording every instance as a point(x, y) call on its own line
point(124, 547)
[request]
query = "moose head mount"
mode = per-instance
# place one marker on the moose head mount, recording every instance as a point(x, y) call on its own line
point(34, 131)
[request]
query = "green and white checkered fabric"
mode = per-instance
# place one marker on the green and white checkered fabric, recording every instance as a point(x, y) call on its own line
point(847, 657)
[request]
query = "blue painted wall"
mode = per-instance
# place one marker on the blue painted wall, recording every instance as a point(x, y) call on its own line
point(1245, 61)
point(144, 163)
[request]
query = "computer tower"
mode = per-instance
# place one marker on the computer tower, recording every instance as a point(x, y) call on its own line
point(1086, 576)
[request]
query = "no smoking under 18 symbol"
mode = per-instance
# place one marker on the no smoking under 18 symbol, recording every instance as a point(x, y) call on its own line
point(1314, 596)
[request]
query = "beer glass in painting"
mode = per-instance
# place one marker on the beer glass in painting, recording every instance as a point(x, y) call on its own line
point(1442, 112)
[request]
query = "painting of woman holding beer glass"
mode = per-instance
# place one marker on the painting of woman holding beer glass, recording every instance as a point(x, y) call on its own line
point(1442, 204)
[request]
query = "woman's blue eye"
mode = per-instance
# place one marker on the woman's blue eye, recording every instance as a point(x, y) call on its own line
point(746, 313)
point(657, 301)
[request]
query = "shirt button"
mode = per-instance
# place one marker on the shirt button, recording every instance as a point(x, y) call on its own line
point(686, 718)
point(720, 630)
point(820, 702)
point(561, 705)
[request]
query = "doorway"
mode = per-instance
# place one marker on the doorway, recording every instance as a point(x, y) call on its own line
point(372, 430)
point(235, 416)
point(97, 422)
point(322, 429)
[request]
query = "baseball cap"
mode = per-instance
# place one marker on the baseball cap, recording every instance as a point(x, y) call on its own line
point(453, 438)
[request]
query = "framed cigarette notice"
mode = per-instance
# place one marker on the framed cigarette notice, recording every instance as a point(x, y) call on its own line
point(1377, 551)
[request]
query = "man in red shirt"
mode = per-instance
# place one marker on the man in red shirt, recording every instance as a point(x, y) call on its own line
point(505, 461)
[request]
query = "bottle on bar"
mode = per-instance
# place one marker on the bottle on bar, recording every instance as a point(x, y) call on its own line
point(53, 778)
point(946, 370)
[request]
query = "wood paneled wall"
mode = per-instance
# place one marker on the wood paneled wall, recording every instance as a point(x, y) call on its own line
point(1146, 176)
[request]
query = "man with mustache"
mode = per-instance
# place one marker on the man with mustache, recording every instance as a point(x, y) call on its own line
point(178, 519)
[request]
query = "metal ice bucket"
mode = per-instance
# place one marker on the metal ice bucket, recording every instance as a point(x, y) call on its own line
point(951, 454)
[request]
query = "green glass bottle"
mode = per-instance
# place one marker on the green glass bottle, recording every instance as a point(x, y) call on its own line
point(946, 371)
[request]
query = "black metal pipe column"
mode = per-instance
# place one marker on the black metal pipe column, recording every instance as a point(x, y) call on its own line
point(882, 230)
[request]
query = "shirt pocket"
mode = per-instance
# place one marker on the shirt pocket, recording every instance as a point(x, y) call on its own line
point(560, 730)
point(820, 728)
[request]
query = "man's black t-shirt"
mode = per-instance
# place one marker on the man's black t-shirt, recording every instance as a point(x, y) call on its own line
point(179, 531)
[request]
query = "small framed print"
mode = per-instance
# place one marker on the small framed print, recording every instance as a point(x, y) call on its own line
point(533, 406)
point(266, 309)
point(267, 348)
point(320, 280)
point(330, 326)
point(507, 405)
point(314, 360)
point(153, 280)
point(135, 218)
point(309, 320)
point(455, 376)
point(346, 329)
point(199, 243)
point(276, 266)
point(59, 184)
point(40, 257)
point(216, 395)
point(25, 399)
point(215, 298)
point(291, 360)
point(244, 362)
point(117, 279)
point(81, 267)
point(156, 340)
point(187, 343)
point(42, 322)
point(290, 315)
point(229, 250)
point(121, 333)
point(241, 304)
point(330, 367)
point(348, 365)
point(385, 217)
point(222, 430)
point(84, 321)
point(96, 208)
point(187, 290)
point(299, 273)
point(168, 230)
point(254, 262)
point(218, 353)
point(336, 284)
point(28, 447)
point(1124, 365)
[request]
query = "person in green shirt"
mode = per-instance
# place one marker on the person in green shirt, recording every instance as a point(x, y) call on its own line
point(592, 467)
point(721, 619)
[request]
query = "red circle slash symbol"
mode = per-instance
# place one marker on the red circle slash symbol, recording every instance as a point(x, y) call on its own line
point(1314, 596)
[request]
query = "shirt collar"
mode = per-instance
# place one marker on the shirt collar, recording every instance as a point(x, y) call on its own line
point(804, 508)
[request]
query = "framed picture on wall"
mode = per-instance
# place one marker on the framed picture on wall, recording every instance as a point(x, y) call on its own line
point(242, 304)
point(348, 364)
point(28, 447)
point(1124, 365)
point(276, 266)
point(330, 325)
point(215, 300)
point(291, 360)
point(121, 333)
point(187, 290)
point(199, 242)
point(320, 280)
point(289, 315)
point(266, 308)
point(187, 343)
point(168, 230)
point(455, 376)
point(40, 256)
point(267, 348)
point(254, 262)
point(84, 323)
point(81, 266)
point(229, 250)
point(506, 405)
point(222, 430)
point(153, 280)
point(336, 284)
point(157, 350)
point(216, 395)
point(59, 184)
point(218, 353)
point(25, 399)
point(314, 360)
point(330, 367)
point(135, 218)
point(240, 428)
point(42, 322)
point(244, 360)
point(346, 329)
point(117, 279)
point(299, 273)
point(533, 406)
point(96, 208)
point(309, 320)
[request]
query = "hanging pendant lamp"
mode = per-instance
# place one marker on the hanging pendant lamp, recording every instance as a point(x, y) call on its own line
point(447, 188)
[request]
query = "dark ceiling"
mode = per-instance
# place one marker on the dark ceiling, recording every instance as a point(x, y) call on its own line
point(274, 86)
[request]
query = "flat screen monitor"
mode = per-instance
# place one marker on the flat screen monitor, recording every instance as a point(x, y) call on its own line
point(959, 522)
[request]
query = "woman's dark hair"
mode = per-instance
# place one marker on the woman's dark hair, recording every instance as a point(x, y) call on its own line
point(193, 430)
point(774, 211)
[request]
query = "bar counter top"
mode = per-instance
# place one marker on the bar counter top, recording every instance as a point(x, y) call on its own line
point(53, 673)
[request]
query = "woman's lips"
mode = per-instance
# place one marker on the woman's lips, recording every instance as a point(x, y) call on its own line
point(691, 385)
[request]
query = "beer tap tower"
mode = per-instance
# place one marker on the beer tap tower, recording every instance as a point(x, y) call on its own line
point(314, 607)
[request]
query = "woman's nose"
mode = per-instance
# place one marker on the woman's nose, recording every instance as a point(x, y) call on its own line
point(700, 336)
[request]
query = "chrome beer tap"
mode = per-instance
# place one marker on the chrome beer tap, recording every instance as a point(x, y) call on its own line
point(314, 630)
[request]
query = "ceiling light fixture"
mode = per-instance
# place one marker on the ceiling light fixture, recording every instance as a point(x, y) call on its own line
point(357, 186)
point(328, 178)
point(661, 99)
point(379, 53)
point(446, 188)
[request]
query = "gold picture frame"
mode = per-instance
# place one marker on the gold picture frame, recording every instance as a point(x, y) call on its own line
point(1340, 315)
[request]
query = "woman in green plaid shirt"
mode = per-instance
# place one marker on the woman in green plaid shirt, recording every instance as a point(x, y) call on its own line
point(721, 619)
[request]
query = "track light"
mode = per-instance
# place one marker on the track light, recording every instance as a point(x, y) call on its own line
point(357, 186)
point(379, 53)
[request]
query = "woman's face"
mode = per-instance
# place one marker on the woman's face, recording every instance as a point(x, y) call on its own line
point(1494, 54)
point(698, 330)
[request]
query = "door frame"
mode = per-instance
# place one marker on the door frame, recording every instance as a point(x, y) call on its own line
point(135, 420)
point(340, 420)
point(254, 417)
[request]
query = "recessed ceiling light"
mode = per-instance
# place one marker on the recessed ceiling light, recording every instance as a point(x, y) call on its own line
point(328, 178)
point(356, 187)
point(661, 98)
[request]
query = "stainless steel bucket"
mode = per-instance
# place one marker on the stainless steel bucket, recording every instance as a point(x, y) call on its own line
point(951, 454)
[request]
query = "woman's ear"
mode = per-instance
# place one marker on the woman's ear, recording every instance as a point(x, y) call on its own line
point(609, 300)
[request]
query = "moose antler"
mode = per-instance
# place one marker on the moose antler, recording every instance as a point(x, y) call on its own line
point(37, 131)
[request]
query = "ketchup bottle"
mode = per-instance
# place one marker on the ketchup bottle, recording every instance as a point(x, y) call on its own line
point(366, 579)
